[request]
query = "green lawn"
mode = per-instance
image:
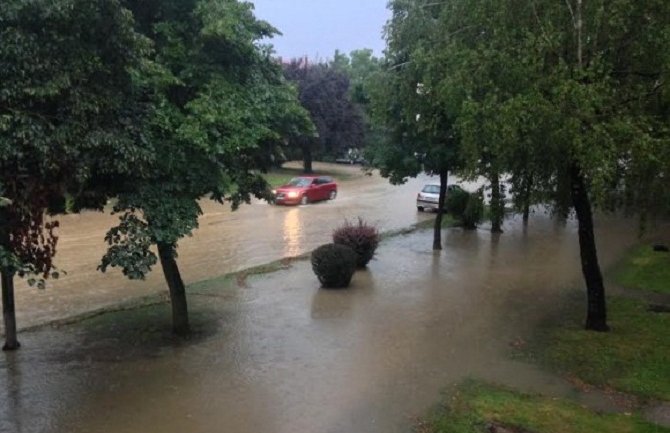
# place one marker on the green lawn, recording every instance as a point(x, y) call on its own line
point(475, 406)
point(645, 269)
point(632, 357)
point(281, 176)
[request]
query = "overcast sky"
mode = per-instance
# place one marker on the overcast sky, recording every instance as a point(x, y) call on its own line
point(316, 28)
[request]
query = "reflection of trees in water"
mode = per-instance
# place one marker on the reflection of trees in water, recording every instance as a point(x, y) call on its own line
point(14, 408)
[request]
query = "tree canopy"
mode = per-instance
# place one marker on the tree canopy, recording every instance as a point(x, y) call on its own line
point(407, 101)
point(325, 92)
point(570, 98)
point(67, 105)
point(219, 106)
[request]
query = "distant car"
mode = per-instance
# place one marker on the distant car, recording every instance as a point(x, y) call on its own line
point(306, 189)
point(429, 196)
point(352, 161)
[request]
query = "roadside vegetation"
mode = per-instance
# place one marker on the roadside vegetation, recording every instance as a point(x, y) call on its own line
point(280, 176)
point(633, 357)
point(476, 407)
point(645, 269)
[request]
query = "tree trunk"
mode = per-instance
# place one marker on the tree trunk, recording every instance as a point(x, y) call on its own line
point(307, 158)
point(177, 291)
point(497, 208)
point(7, 277)
point(8, 311)
point(528, 186)
point(437, 232)
point(596, 316)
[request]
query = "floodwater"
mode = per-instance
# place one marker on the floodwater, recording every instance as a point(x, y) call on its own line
point(281, 355)
point(225, 242)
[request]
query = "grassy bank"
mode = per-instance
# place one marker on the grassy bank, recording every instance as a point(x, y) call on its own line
point(645, 269)
point(476, 407)
point(281, 176)
point(633, 356)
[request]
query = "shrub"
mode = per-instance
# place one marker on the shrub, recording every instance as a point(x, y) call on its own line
point(362, 238)
point(474, 211)
point(457, 200)
point(334, 265)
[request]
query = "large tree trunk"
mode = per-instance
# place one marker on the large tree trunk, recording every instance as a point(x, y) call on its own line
point(177, 291)
point(596, 316)
point(307, 158)
point(7, 277)
point(497, 207)
point(437, 232)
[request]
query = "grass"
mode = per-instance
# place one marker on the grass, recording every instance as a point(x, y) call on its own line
point(645, 269)
point(632, 357)
point(475, 407)
point(448, 220)
point(281, 176)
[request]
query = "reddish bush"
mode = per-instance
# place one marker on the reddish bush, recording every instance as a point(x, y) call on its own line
point(362, 238)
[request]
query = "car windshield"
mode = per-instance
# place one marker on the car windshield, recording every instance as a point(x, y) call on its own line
point(300, 182)
point(431, 189)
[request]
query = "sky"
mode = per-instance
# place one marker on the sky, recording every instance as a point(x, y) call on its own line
point(316, 28)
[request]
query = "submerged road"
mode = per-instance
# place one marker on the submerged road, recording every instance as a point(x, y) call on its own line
point(281, 355)
point(225, 242)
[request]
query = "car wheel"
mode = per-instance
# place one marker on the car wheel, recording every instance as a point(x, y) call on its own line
point(419, 208)
point(304, 200)
point(332, 195)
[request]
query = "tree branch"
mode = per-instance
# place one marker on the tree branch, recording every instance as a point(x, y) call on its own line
point(539, 22)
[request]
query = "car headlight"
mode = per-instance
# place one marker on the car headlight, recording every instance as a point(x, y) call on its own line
point(274, 192)
point(292, 194)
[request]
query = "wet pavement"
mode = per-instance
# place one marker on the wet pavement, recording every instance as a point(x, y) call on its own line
point(281, 355)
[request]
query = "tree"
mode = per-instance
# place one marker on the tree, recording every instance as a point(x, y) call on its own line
point(66, 100)
point(406, 102)
point(324, 92)
point(572, 94)
point(219, 103)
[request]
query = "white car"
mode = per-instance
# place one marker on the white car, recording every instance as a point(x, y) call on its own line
point(429, 196)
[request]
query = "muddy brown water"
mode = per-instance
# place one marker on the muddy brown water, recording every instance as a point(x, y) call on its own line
point(225, 242)
point(282, 355)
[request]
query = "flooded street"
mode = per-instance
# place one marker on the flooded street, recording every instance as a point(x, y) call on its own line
point(283, 356)
point(225, 242)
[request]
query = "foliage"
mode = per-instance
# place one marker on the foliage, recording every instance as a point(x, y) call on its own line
point(219, 109)
point(467, 207)
point(362, 67)
point(475, 406)
point(645, 269)
point(474, 211)
point(334, 265)
point(631, 358)
point(324, 92)
point(420, 128)
point(570, 98)
point(530, 99)
point(457, 201)
point(66, 104)
point(362, 238)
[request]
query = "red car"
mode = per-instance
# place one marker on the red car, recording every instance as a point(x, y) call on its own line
point(306, 189)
